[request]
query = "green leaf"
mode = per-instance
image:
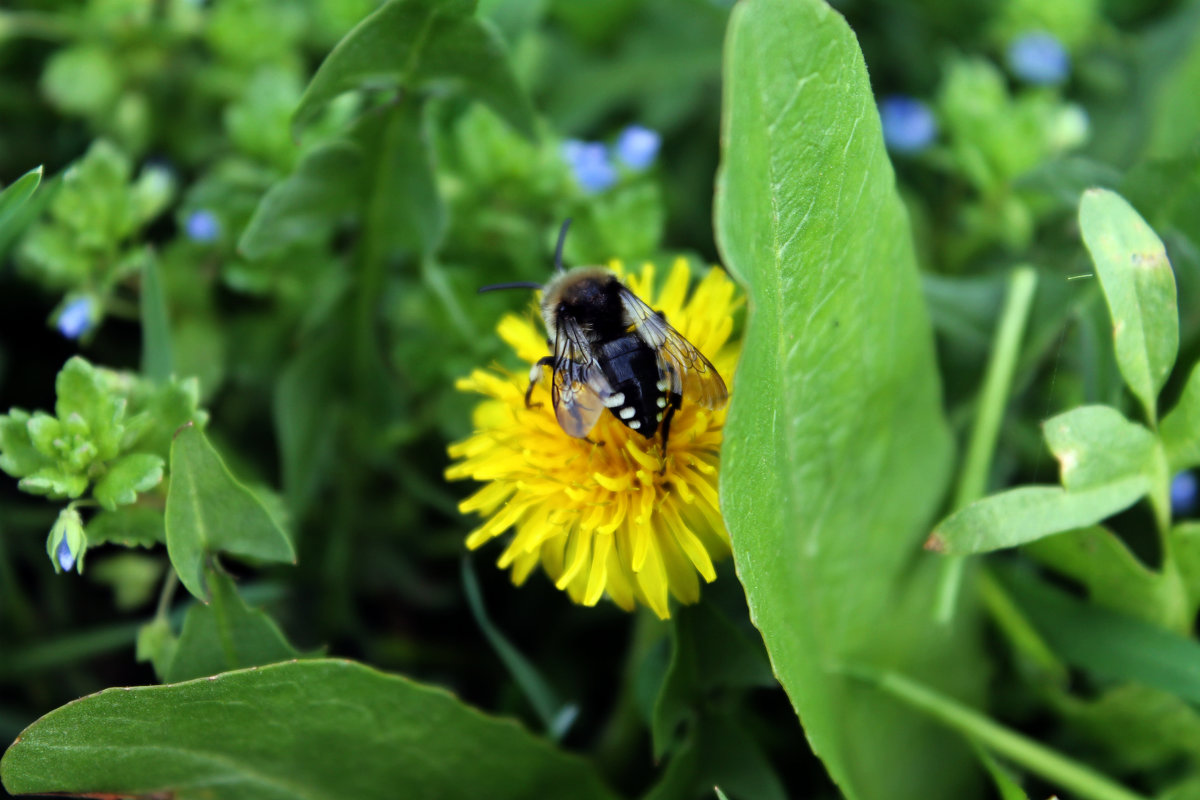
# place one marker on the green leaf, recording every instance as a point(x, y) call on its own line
point(1113, 576)
point(81, 392)
point(1140, 289)
point(156, 644)
point(1180, 429)
point(1096, 445)
point(128, 475)
point(225, 635)
point(209, 512)
point(156, 330)
point(413, 44)
point(1185, 537)
point(350, 732)
point(1007, 786)
point(14, 196)
point(19, 456)
point(130, 526)
point(1028, 513)
point(303, 206)
point(836, 454)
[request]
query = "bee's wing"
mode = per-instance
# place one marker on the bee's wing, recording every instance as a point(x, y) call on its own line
point(677, 357)
point(580, 388)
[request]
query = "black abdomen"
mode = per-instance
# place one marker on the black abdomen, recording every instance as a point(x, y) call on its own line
point(632, 372)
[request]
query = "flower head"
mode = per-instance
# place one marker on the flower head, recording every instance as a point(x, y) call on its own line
point(75, 318)
point(590, 163)
point(203, 226)
point(637, 146)
point(1039, 58)
point(610, 514)
point(908, 124)
point(1185, 490)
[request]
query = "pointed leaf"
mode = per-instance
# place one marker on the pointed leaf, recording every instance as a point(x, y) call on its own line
point(127, 476)
point(14, 196)
point(1140, 289)
point(209, 511)
point(320, 730)
point(836, 453)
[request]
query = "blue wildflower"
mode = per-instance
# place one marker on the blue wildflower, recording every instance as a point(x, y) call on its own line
point(637, 146)
point(67, 542)
point(76, 318)
point(203, 226)
point(908, 124)
point(1185, 490)
point(66, 559)
point(590, 163)
point(1039, 58)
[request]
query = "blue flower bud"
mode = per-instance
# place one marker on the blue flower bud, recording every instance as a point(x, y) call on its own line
point(67, 542)
point(637, 146)
point(1185, 490)
point(908, 124)
point(1039, 58)
point(76, 318)
point(203, 226)
point(66, 559)
point(590, 164)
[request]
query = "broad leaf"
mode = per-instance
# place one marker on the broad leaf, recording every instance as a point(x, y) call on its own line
point(412, 44)
point(130, 526)
point(127, 476)
point(209, 511)
point(225, 635)
point(1028, 513)
point(836, 453)
point(1140, 289)
point(320, 730)
point(1180, 429)
point(1095, 445)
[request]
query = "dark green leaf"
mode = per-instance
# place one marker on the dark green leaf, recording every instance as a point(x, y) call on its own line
point(412, 44)
point(225, 635)
point(1028, 513)
point(321, 730)
point(209, 512)
point(1095, 445)
point(306, 417)
point(1180, 429)
point(131, 526)
point(836, 453)
point(126, 477)
point(1140, 290)
point(156, 330)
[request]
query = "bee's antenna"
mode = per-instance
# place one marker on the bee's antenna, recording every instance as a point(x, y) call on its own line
point(513, 285)
point(562, 238)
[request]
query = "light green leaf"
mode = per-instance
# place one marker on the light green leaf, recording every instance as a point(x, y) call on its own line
point(836, 454)
point(130, 526)
point(347, 731)
point(1095, 445)
point(225, 635)
point(19, 456)
point(1180, 429)
point(412, 44)
point(156, 330)
point(81, 392)
point(156, 644)
point(1185, 538)
point(1140, 289)
point(209, 512)
point(14, 196)
point(127, 476)
point(133, 577)
point(1028, 513)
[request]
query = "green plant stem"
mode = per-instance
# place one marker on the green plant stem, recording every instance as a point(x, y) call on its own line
point(1013, 623)
point(993, 397)
point(167, 594)
point(1062, 772)
point(619, 740)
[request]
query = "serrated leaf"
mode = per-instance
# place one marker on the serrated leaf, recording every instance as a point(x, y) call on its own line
point(127, 476)
point(1180, 429)
point(1140, 290)
point(347, 731)
point(54, 483)
point(1095, 445)
point(412, 44)
point(156, 331)
point(18, 455)
point(1028, 513)
point(14, 196)
point(130, 526)
point(209, 512)
point(836, 453)
point(225, 635)
point(80, 391)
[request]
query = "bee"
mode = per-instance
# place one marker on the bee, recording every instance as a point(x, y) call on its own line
point(612, 351)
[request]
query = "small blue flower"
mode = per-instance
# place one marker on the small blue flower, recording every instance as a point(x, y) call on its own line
point(589, 161)
point(908, 124)
point(203, 226)
point(1185, 490)
point(1039, 58)
point(66, 559)
point(637, 146)
point(76, 318)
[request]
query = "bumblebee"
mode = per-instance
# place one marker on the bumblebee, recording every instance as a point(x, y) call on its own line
point(612, 351)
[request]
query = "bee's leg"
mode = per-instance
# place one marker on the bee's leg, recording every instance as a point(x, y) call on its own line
point(535, 374)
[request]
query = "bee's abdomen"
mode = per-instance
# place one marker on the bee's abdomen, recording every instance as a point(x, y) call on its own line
point(632, 371)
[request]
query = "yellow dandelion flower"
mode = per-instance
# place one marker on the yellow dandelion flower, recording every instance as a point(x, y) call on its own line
point(607, 514)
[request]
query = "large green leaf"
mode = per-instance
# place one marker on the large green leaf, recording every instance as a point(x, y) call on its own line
point(410, 44)
point(313, 730)
point(836, 453)
point(209, 511)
